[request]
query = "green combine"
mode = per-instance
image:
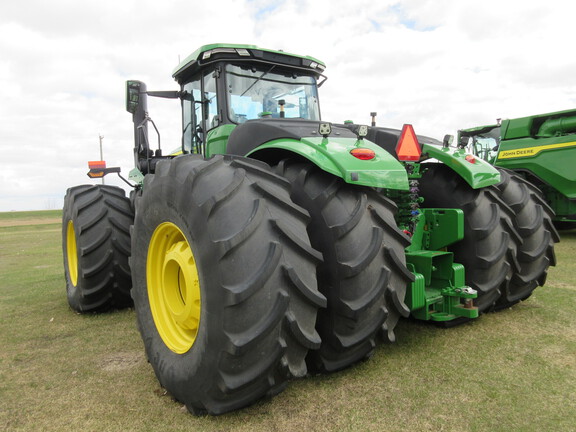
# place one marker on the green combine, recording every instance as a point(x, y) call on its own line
point(540, 149)
point(273, 244)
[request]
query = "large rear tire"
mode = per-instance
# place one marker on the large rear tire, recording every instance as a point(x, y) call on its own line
point(363, 276)
point(96, 245)
point(533, 222)
point(224, 281)
point(488, 249)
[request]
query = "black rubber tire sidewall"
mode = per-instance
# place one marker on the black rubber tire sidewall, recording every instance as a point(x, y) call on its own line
point(102, 217)
point(363, 276)
point(533, 221)
point(197, 196)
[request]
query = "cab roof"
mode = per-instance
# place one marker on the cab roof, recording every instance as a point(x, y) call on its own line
point(207, 54)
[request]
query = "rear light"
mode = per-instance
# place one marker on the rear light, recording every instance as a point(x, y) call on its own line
point(97, 169)
point(408, 149)
point(97, 165)
point(363, 153)
point(470, 159)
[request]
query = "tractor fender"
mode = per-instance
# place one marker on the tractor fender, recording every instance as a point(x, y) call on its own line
point(333, 155)
point(475, 171)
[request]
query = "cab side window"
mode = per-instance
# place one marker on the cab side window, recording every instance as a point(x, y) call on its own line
point(192, 132)
point(211, 107)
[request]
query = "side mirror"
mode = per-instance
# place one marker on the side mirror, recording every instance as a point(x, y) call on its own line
point(463, 142)
point(133, 95)
point(448, 140)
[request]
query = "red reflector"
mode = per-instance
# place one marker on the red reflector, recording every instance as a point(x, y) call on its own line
point(408, 148)
point(470, 159)
point(363, 153)
point(97, 165)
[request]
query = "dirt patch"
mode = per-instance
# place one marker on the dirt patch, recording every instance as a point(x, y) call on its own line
point(122, 361)
point(23, 222)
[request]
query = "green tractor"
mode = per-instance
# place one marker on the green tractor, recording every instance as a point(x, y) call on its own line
point(272, 244)
point(540, 149)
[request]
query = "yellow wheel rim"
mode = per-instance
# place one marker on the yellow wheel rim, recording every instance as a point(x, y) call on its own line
point(173, 287)
point(72, 253)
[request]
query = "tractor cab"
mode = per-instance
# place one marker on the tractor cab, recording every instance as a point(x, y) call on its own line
point(223, 86)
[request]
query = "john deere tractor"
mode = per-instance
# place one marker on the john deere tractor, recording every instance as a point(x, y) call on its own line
point(271, 243)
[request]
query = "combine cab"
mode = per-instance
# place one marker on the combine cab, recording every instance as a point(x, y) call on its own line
point(273, 244)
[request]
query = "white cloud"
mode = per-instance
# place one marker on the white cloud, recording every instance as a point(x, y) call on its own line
point(440, 65)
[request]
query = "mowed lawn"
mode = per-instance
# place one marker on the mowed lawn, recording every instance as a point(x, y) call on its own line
point(509, 371)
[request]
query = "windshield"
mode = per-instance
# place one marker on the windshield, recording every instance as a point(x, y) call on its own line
point(485, 147)
point(485, 143)
point(257, 93)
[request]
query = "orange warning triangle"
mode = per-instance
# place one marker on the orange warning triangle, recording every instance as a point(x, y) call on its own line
point(408, 149)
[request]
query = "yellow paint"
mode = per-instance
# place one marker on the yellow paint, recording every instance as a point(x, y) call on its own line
point(173, 287)
point(72, 253)
point(532, 151)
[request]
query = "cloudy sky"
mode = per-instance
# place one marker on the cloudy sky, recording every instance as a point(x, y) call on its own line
point(438, 64)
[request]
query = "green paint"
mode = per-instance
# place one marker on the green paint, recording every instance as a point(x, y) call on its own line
point(551, 159)
point(333, 156)
point(202, 53)
point(217, 139)
point(477, 174)
point(439, 292)
point(437, 228)
point(541, 148)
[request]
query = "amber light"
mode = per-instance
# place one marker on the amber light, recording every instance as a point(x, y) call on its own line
point(96, 169)
point(363, 153)
point(470, 159)
point(408, 148)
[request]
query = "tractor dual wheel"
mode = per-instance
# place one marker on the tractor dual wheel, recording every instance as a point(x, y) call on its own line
point(363, 275)
point(488, 250)
point(533, 222)
point(96, 245)
point(224, 278)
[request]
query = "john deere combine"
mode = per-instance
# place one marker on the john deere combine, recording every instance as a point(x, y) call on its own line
point(273, 243)
point(540, 149)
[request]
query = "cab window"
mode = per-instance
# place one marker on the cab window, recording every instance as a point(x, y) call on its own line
point(265, 92)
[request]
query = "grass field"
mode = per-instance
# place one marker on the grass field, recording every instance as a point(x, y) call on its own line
point(509, 371)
